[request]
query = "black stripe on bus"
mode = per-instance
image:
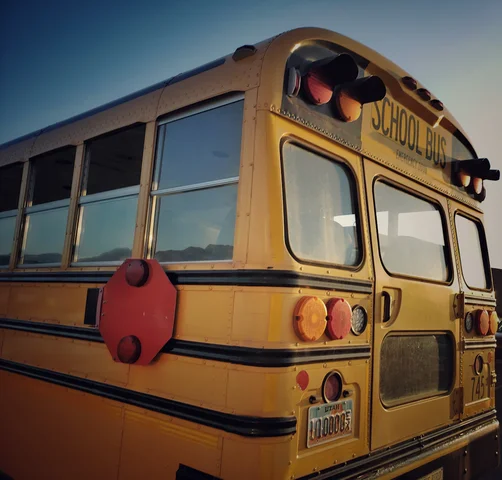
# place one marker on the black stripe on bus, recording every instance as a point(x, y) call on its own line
point(247, 426)
point(407, 452)
point(255, 357)
point(241, 278)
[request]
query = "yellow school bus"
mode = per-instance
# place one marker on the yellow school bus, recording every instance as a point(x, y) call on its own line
point(271, 267)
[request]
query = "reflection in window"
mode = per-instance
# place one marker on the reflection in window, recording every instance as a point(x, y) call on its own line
point(321, 208)
point(410, 234)
point(196, 222)
point(113, 161)
point(48, 199)
point(198, 225)
point(10, 187)
point(108, 205)
point(202, 147)
point(106, 230)
point(45, 233)
point(471, 252)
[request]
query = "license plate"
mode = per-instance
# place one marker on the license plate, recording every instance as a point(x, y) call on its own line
point(435, 475)
point(329, 422)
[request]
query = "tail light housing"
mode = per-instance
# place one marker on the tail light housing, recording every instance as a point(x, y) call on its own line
point(493, 323)
point(310, 318)
point(332, 387)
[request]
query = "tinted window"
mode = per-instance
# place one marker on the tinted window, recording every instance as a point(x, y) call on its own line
point(410, 234)
point(202, 147)
point(114, 160)
point(321, 208)
point(51, 176)
point(471, 244)
point(10, 186)
point(106, 230)
point(198, 224)
point(45, 234)
point(414, 367)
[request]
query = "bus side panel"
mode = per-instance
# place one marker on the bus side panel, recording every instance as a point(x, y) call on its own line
point(49, 431)
point(62, 303)
point(154, 446)
point(4, 299)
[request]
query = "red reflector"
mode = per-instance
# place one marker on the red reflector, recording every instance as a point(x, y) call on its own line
point(302, 379)
point(129, 349)
point(339, 318)
point(318, 91)
point(332, 387)
point(482, 322)
point(137, 273)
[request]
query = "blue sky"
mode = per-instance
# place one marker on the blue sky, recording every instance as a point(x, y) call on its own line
point(58, 59)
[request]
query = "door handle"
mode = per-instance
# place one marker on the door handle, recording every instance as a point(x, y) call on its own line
point(387, 299)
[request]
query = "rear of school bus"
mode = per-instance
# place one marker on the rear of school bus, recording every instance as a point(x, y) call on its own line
point(305, 295)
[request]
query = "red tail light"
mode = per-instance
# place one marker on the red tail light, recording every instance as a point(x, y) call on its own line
point(482, 322)
point(339, 318)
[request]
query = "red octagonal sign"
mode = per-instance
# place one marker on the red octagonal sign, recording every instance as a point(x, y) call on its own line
point(136, 311)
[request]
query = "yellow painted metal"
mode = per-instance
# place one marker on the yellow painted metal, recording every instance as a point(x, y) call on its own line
point(138, 249)
point(54, 302)
point(73, 208)
point(50, 431)
point(18, 234)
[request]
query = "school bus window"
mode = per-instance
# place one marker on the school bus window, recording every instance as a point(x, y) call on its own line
point(10, 186)
point(471, 245)
point(47, 207)
point(321, 208)
point(108, 204)
point(415, 367)
point(195, 189)
point(410, 234)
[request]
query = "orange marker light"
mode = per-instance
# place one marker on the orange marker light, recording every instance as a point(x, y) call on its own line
point(464, 178)
point(310, 318)
point(348, 108)
point(493, 324)
point(477, 184)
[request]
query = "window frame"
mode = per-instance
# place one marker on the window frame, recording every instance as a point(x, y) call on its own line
point(311, 148)
point(444, 223)
point(484, 250)
point(10, 214)
point(156, 194)
point(107, 195)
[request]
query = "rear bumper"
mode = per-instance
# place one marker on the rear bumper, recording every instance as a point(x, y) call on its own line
point(466, 450)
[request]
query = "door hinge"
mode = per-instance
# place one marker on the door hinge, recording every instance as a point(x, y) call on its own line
point(458, 401)
point(459, 305)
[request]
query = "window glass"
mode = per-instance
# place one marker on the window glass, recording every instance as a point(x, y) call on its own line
point(414, 367)
point(321, 208)
point(471, 248)
point(10, 186)
point(51, 176)
point(107, 230)
point(114, 160)
point(197, 225)
point(7, 228)
point(45, 234)
point(410, 234)
point(202, 147)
